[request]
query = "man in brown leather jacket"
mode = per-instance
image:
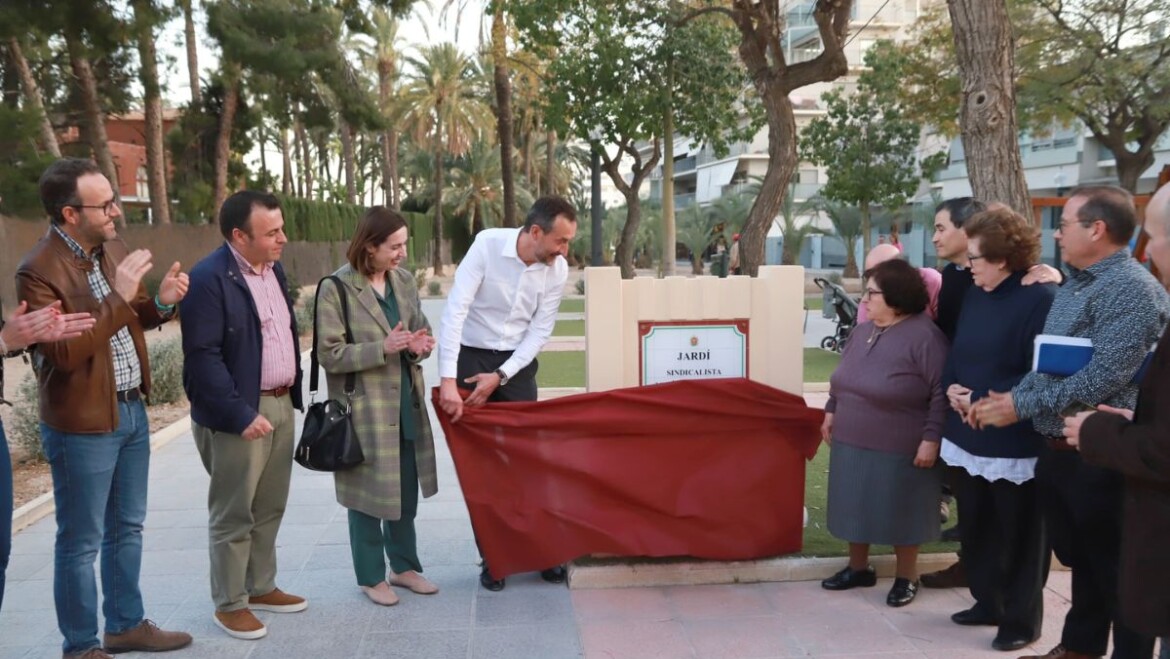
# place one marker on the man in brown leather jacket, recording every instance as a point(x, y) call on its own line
point(93, 422)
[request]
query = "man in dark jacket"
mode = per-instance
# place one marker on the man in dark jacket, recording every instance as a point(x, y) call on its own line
point(242, 373)
point(1138, 445)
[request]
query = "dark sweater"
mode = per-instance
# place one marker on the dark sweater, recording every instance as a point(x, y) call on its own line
point(886, 394)
point(955, 282)
point(992, 350)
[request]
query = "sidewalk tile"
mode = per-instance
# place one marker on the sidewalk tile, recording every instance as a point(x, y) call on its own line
point(629, 604)
point(414, 645)
point(635, 640)
point(556, 640)
point(742, 638)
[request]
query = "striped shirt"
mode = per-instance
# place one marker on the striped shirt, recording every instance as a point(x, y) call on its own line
point(278, 357)
point(127, 368)
point(1122, 309)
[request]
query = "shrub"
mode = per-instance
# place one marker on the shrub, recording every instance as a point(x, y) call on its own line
point(835, 277)
point(305, 317)
point(580, 285)
point(166, 371)
point(294, 286)
point(25, 433)
point(434, 288)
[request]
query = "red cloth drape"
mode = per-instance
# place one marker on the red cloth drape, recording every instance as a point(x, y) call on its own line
point(704, 468)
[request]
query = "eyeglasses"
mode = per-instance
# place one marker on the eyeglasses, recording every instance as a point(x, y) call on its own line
point(1066, 224)
point(106, 208)
point(972, 258)
point(869, 292)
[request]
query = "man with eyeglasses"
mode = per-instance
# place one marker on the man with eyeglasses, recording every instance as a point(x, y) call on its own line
point(93, 422)
point(1112, 300)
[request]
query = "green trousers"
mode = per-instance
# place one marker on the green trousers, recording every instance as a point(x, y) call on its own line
point(370, 538)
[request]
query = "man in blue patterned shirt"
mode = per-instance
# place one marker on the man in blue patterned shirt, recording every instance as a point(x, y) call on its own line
point(1112, 300)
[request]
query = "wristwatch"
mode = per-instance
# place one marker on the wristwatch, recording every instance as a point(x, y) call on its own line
point(503, 376)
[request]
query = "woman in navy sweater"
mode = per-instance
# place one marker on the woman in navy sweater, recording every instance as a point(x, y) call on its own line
point(1002, 534)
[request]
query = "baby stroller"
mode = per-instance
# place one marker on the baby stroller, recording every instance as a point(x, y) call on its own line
point(839, 306)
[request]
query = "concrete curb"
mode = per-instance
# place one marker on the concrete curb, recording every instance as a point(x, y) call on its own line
point(43, 506)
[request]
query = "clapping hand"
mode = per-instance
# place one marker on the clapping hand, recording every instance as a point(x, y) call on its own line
point(421, 342)
point(130, 273)
point(397, 340)
point(960, 398)
point(45, 325)
point(174, 286)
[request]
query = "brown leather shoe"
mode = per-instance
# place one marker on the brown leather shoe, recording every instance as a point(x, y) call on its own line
point(146, 637)
point(1059, 652)
point(241, 624)
point(92, 653)
point(954, 576)
point(277, 601)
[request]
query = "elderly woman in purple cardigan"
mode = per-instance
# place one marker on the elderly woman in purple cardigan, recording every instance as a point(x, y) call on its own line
point(883, 420)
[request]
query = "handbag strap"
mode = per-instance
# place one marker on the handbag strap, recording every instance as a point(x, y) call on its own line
point(314, 365)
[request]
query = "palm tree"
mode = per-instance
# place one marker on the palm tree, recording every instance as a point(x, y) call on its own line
point(475, 188)
point(694, 230)
point(443, 97)
point(793, 231)
point(846, 222)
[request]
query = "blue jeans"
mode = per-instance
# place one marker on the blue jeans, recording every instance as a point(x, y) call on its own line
point(99, 485)
point(5, 509)
point(1165, 651)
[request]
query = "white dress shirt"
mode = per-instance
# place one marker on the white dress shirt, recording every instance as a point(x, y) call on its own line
point(499, 303)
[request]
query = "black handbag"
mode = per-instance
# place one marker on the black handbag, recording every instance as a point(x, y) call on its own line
point(328, 441)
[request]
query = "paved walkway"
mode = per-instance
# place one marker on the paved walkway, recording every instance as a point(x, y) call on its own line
point(529, 619)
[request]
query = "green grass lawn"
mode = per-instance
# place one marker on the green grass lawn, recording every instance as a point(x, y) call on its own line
point(575, 305)
point(819, 364)
point(817, 541)
point(561, 369)
point(811, 302)
point(569, 328)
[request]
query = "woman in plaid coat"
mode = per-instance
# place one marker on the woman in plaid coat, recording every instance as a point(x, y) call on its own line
point(391, 337)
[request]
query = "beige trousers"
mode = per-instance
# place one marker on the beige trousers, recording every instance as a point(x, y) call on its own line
point(246, 502)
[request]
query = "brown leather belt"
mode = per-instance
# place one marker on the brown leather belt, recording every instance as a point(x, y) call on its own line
point(1059, 444)
point(129, 396)
point(275, 393)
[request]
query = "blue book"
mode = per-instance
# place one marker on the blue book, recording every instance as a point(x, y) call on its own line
point(1065, 355)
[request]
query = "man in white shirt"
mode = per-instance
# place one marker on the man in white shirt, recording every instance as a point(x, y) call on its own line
point(499, 314)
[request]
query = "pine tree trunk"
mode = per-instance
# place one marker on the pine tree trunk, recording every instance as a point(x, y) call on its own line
point(437, 232)
point(528, 161)
point(347, 159)
point(156, 167)
point(985, 52)
point(395, 184)
point(192, 52)
point(503, 86)
point(305, 180)
point(550, 163)
point(325, 175)
point(866, 229)
point(668, 227)
point(261, 142)
point(625, 246)
point(94, 117)
point(32, 94)
point(286, 174)
point(223, 140)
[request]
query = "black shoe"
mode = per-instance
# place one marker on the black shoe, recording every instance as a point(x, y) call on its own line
point(554, 574)
point(975, 615)
point(902, 593)
point(1011, 642)
point(849, 578)
point(952, 577)
point(951, 534)
point(486, 580)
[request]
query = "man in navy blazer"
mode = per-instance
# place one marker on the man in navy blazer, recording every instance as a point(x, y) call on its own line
point(242, 374)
